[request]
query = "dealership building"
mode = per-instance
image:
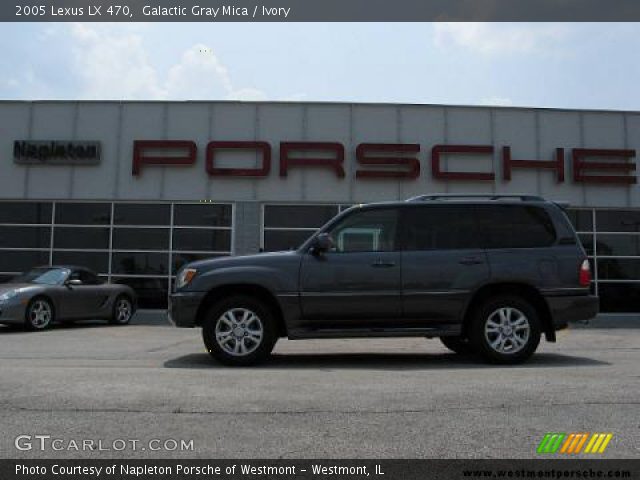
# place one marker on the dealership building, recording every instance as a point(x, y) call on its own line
point(134, 190)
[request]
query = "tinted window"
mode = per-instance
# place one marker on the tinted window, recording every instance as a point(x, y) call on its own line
point(25, 212)
point(78, 237)
point(587, 243)
point(201, 239)
point(202, 215)
point(141, 238)
point(515, 226)
point(21, 261)
point(83, 213)
point(140, 263)
point(441, 227)
point(43, 276)
point(25, 237)
point(275, 240)
point(86, 277)
point(619, 297)
point(618, 245)
point(582, 220)
point(619, 268)
point(151, 292)
point(142, 214)
point(366, 231)
point(96, 261)
point(618, 220)
point(298, 216)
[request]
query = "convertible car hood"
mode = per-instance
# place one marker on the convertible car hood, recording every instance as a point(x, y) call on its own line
point(6, 287)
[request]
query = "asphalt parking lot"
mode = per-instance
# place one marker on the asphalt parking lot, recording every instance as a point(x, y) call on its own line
point(392, 398)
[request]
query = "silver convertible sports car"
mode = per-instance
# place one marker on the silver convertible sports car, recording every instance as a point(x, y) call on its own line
point(44, 295)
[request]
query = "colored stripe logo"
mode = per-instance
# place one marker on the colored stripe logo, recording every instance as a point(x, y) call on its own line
point(574, 443)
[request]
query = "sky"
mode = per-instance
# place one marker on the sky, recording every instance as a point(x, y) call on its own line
point(563, 65)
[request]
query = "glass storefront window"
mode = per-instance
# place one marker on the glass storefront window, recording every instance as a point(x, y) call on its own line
point(25, 237)
point(140, 238)
point(202, 215)
point(83, 213)
point(81, 238)
point(142, 214)
point(298, 216)
point(201, 239)
point(619, 297)
point(140, 263)
point(619, 268)
point(618, 245)
point(25, 212)
point(618, 220)
point(20, 261)
point(276, 240)
point(96, 261)
point(582, 220)
point(152, 292)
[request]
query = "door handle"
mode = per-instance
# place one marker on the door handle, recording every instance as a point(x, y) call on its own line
point(470, 261)
point(381, 264)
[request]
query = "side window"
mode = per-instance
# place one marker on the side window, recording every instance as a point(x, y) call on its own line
point(366, 231)
point(515, 226)
point(87, 278)
point(441, 227)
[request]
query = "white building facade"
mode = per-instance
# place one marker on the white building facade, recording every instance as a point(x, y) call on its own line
point(134, 190)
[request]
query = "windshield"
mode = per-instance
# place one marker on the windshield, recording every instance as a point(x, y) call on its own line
point(43, 276)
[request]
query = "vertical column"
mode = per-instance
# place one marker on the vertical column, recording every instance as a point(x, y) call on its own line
point(247, 226)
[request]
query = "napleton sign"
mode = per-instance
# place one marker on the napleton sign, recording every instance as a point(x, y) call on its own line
point(50, 152)
point(388, 160)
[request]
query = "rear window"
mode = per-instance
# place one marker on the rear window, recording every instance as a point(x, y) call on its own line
point(515, 226)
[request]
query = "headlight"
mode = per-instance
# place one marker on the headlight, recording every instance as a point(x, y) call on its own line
point(185, 277)
point(8, 295)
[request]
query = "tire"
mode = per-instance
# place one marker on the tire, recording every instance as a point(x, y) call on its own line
point(239, 331)
point(39, 314)
point(122, 311)
point(505, 330)
point(458, 345)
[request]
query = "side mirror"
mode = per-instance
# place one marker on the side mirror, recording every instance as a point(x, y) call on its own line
point(322, 243)
point(73, 283)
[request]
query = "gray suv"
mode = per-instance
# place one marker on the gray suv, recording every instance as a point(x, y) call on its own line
point(487, 275)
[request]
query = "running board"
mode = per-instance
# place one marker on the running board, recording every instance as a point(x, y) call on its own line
point(439, 331)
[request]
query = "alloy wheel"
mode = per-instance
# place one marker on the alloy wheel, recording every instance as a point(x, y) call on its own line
point(507, 330)
point(239, 332)
point(40, 314)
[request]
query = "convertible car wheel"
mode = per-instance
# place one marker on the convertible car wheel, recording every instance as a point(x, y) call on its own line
point(39, 314)
point(122, 311)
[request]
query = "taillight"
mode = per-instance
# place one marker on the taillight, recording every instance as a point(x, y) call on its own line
point(585, 274)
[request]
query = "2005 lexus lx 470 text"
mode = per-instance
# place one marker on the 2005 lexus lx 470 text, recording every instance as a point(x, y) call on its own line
point(487, 275)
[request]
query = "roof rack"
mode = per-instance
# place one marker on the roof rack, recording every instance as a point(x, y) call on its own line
point(487, 196)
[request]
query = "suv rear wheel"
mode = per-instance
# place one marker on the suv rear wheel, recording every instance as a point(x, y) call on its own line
point(505, 329)
point(239, 330)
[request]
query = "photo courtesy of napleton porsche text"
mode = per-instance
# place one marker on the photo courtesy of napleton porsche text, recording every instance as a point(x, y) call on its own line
point(306, 240)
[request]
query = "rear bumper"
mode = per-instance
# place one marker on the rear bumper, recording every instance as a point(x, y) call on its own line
point(183, 308)
point(572, 308)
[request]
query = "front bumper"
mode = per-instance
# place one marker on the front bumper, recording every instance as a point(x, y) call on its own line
point(12, 312)
point(572, 308)
point(183, 308)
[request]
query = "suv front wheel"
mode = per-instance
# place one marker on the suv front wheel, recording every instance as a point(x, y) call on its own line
point(239, 330)
point(505, 329)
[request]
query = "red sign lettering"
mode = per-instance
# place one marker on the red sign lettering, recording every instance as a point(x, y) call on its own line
point(411, 164)
point(580, 166)
point(335, 163)
point(508, 163)
point(142, 147)
point(263, 171)
point(439, 150)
